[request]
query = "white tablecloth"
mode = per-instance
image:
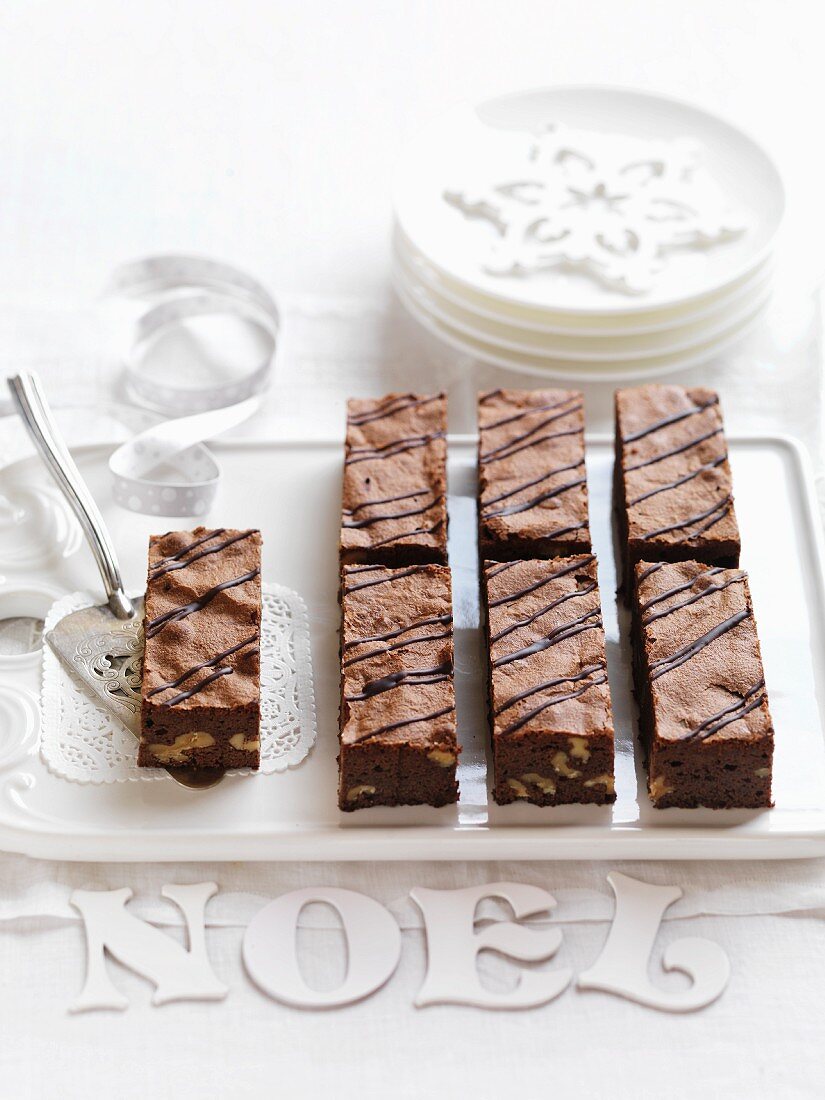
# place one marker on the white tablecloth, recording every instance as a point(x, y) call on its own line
point(264, 133)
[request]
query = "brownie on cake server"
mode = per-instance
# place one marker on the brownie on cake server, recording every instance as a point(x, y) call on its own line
point(201, 667)
point(673, 493)
point(532, 482)
point(397, 718)
point(706, 727)
point(395, 480)
point(549, 699)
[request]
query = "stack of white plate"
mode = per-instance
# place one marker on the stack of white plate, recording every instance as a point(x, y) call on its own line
point(585, 233)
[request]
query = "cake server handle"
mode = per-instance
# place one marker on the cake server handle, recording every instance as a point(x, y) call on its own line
point(31, 403)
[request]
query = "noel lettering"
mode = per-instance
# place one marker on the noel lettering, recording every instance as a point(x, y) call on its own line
point(374, 948)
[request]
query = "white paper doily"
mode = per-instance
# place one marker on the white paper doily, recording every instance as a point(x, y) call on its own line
point(81, 741)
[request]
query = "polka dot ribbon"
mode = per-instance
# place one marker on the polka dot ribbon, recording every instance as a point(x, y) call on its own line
point(167, 470)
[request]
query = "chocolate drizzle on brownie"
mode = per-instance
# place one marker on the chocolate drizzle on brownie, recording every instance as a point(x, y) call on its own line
point(680, 480)
point(493, 571)
point(173, 564)
point(383, 517)
point(530, 411)
point(202, 665)
point(714, 514)
point(381, 730)
point(514, 509)
point(154, 626)
point(392, 578)
point(431, 530)
point(644, 605)
point(651, 617)
point(201, 683)
point(392, 405)
point(673, 491)
point(702, 519)
point(500, 457)
point(688, 652)
point(646, 572)
point(419, 677)
point(686, 610)
point(529, 485)
point(385, 500)
point(422, 676)
point(391, 449)
point(545, 685)
point(543, 580)
point(517, 624)
point(442, 620)
point(397, 737)
point(419, 639)
point(517, 442)
point(732, 713)
point(528, 441)
point(666, 421)
point(554, 701)
point(590, 620)
point(550, 708)
point(394, 508)
point(199, 686)
point(583, 526)
point(188, 547)
point(691, 443)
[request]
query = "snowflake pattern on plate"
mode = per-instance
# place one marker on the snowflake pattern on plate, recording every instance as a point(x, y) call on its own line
point(83, 742)
point(607, 206)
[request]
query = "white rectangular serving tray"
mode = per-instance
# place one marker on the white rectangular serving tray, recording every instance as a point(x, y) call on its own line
point(291, 490)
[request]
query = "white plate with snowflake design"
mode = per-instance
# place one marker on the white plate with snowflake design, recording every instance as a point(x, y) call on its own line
point(585, 349)
point(578, 370)
point(588, 201)
point(590, 330)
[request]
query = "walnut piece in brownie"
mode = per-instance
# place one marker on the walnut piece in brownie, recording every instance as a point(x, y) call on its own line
point(397, 719)
point(549, 699)
point(705, 723)
point(395, 480)
point(673, 494)
point(201, 668)
point(532, 479)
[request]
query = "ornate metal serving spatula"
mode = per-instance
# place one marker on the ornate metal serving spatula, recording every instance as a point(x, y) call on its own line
point(101, 646)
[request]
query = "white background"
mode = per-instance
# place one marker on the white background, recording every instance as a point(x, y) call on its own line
point(264, 133)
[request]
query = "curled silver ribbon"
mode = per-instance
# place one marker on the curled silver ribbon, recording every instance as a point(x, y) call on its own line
point(167, 470)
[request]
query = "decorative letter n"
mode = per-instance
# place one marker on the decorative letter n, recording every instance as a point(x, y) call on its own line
point(178, 974)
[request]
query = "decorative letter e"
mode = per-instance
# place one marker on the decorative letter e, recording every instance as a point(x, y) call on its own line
point(453, 945)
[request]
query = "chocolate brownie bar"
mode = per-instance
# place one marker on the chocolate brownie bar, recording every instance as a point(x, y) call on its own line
point(395, 480)
point(532, 481)
point(549, 699)
point(705, 723)
point(397, 719)
point(673, 495)
point(201, 667)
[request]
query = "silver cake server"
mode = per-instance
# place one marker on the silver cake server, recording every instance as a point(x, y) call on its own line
point(102, 646)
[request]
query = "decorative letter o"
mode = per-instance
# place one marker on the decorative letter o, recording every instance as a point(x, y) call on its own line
point(373, 947)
